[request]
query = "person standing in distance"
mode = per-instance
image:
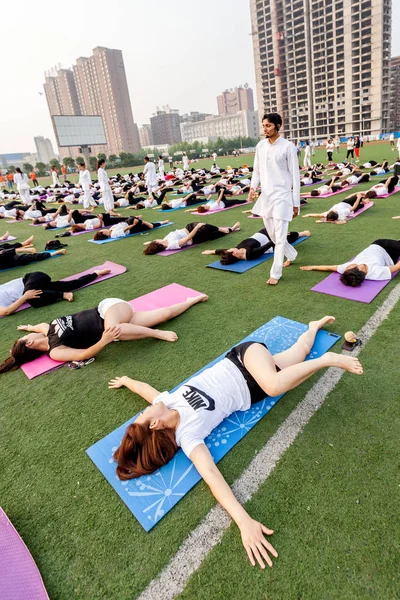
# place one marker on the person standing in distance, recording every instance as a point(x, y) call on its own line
point(85, 181)
point(276, 167)
point(150, 174)
point(161, 168)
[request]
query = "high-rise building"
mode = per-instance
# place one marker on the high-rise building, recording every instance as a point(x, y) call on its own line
point(62, 99)
point(145, 136)
point(192, 117)
point(96, 86)
point(395, 94)
point(323, 65)
point(44, 149)
point(238, 98)
point(165, 126)
point(243, 123)
point(103, 90)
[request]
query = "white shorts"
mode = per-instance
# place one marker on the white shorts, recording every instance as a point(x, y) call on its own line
point(108, 303)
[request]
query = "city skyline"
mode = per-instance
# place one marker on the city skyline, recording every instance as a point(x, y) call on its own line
point(228, 58)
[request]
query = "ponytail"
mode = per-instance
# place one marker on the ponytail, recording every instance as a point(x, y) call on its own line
point(100, 163)
point(20, 354)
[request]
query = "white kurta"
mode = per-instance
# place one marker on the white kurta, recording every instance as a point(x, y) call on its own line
point(185, 162)
point(161, 167)
point(150, 175)
point(105, 188)
point(276, 168)
point(85, 181)
point(21, 181)
point(56, 181)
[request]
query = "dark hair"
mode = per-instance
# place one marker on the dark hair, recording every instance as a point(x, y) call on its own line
point(146, 158)
point(18, 170)
point(144, 450)
point(352, 277)
point(79, 164)
point(160, 156)
point(165, 206)
point(332, 216)
point(100, 162)
point(99, 235)
point(314, 193)
point(371, 194)
point(273, 118)
point(228, 258)
point(202, 209)
point(37, 222)
point(139, 205)
point(20, 354)
point(154, 248)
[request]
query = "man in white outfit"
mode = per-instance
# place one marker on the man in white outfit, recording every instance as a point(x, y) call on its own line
point(185, 161)
point(161, 169)
point(85, 181)
point(276, 167)
point(307, 155)
point(150, 174)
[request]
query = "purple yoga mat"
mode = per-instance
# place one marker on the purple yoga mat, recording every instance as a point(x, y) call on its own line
point(332, 286)
point(19, 576)
point(115, 270)
point(212, 212)
point(169, 252)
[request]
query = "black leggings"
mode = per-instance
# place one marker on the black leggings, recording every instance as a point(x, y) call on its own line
point(140, 226)
point(206, 233)
point(80, 218)
point(392, 247)
point(52, 290)
point(7, 246)
point(350, 201)
point(229, 203)
point(108, 220)
point(350, 152)
point(10, 259)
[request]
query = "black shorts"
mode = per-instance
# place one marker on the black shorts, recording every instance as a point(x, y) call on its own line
point(236, 355)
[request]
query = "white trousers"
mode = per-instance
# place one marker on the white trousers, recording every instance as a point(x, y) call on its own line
point(277, 230)
point(108, 199)
point(88, 199)
point(25, 195)
point(307, 161)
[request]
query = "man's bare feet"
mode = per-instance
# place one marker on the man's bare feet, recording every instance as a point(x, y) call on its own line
point(196, 299)
point(287, 263)
point(5, 237)
point(29, 241)
point(68, 296)
point(62, 251)
point(236, 226)
point(166, 336)
point(272, 281)
point(321, 323)
point(102, 272)
point(348, 363)
point(305, 233)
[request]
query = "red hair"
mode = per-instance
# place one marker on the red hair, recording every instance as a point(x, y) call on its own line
point(144, 450)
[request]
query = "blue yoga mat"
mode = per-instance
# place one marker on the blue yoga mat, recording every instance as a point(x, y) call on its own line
point(149, 498)
point(382, 174)
point(245, 265)
point(107, 241)
point(182, 207)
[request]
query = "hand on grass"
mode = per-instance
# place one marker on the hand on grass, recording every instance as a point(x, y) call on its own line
point(117, 382)
point(111, 334)
point(256, 545)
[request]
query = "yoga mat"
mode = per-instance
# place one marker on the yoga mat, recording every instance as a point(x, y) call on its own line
point(19, 576)
point(316, 183)
point(107, 241)
point(382, 174)
point(38, 262)
point(9, 239)
point(359, 212)
point(151, 497)
point(161, 298)
point(182, 207)
point(211, 212)
point(328, 195)
point(245, 265)
point(115, 270)
point(366, 292)
point(169, 252)
point(396, 189)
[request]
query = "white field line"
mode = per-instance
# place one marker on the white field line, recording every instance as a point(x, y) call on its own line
point(174, 577)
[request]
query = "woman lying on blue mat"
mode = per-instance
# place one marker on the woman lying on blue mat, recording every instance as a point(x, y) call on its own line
point(254, 247)
point(129, 227)
point(193, 233)
point(84, 334)
point(378, 262)
point(185, 417)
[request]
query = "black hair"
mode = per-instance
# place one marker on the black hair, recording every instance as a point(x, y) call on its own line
point(228, 258)
point(100, 163)
point(314, 193)
point(371, 194)
point(146, 158)
point(274, 118)
point(352, 277)
point(332, 216)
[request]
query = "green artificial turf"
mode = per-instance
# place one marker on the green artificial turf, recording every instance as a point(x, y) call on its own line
point(85, 541)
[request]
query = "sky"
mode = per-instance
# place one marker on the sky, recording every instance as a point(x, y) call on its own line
point(179, 53)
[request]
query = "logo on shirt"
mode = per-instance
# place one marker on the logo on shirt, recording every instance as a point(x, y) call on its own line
point(198, 399)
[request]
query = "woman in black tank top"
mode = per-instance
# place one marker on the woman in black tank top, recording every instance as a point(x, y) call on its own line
point(84, 334)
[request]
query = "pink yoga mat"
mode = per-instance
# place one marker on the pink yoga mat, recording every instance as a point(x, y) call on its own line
point(19, 576)
point(332, 286)
point(211, 212)
point(115, 270)
point(162, 298)
point(359, 212)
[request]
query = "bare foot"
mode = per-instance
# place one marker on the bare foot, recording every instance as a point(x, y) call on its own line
point(236, 226)
point(68, 296)
point(321, 323)
point(102, 272)
point(29, 241)
point(305, 233)
point(196, 299)
point(166, 336)
point(287, 263)
point(272, 281)
point(62, 251)
point(7, 235)
point(348, 363)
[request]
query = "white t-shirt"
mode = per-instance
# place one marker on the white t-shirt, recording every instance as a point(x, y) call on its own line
point(117, 230)
point(91, 224)
point(379, 170)
point(8, 214)
point(341, 208)
point(62, 221)
point(329, 147)
point(32, 214)
point(353, 179)
point(324, 189)
point(306, 180)
point(380, 189)
point(11, 291)
point(149, 203)
point(174, 237)
point(350, 145)
point(205, 401)
point(123, 202)
point(346, 171)
point(208, 189)
point(377, 260)
point(214, 205)
point(180, 202)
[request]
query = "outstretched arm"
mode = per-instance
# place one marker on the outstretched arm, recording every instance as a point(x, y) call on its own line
point(317, 215)
point(252, 532)
point(144, 390)
point(319, 268)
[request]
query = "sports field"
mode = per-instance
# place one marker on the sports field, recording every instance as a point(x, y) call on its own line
point(333, 497)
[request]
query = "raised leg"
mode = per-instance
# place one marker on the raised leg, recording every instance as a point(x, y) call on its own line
point(160, 315)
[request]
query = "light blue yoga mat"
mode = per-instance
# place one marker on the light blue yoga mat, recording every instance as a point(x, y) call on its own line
point(149, 498)
point(108, 240)
point(245, 265)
